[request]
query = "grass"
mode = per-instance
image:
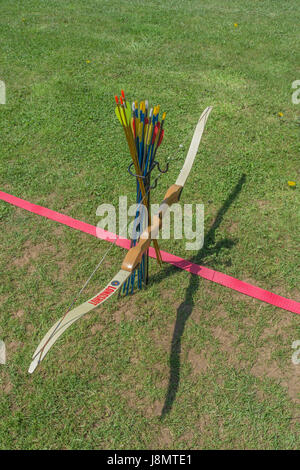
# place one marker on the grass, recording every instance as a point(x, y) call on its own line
point(185, 364)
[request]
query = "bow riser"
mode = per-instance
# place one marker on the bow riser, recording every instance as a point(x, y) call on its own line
point(135, 254)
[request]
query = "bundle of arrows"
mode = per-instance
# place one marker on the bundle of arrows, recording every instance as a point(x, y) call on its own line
point(144, 133)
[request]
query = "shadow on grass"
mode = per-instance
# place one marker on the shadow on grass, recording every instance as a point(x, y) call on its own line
point(186, 307)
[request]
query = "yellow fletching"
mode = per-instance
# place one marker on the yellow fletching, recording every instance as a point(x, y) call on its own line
point(117, 111)
point(164, 116)
point(121, 117)
point(156, 110)
point(128, 112)
point(149, 134)
point(146, 133)
point(140, 130)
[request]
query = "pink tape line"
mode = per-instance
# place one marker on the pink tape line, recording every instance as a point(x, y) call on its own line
point(202, 271)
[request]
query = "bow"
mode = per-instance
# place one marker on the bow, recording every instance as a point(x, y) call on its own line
point(133, 256)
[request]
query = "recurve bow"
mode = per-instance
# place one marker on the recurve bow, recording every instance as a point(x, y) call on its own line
point(133, 256)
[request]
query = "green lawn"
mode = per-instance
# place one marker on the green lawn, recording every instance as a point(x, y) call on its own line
point(184, 364)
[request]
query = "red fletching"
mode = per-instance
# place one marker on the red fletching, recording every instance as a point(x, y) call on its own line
point(123, 94)
point(161, 138)
point(121, 100)
point(146, 120)
point(117, 99)
point(154, 134)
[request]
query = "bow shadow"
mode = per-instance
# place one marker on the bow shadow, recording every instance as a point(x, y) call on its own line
point(186, 307)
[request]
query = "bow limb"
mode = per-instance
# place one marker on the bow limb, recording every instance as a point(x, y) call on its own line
point(193, 149)
point(73, 315)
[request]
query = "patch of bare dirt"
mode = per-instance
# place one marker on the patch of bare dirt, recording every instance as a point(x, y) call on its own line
point(281, 289)
point(164, 440)
point(203, 426)
point(251, 320)
point(30, 328)
point(168, 295)
point(278, 328)
point(6, 387)
point(197, 315)
point(292, 383)
point(295, 295)
point(13, 346)
point(58, 230)
point(18, 314)
point(198, 362)
point(227, 344)
point(187, 438)
point(97, 327)
point(233, 228)
point(217, 313)
point(6, 187)
point(149, 410)
point(162, 374)
point(32, 252)
point(163, 337)
point(289, 377)
point(63, 268)
point(262, 203)
point(134, 358)
point(261, 395)
point(154, 409)
point(204, 423)
point(125, 312)
point(225, 339)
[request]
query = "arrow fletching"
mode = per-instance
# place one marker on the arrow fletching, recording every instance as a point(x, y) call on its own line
point(121, 110)
point(161, 138)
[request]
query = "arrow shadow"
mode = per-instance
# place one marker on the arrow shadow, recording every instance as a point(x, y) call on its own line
point(186, 307)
